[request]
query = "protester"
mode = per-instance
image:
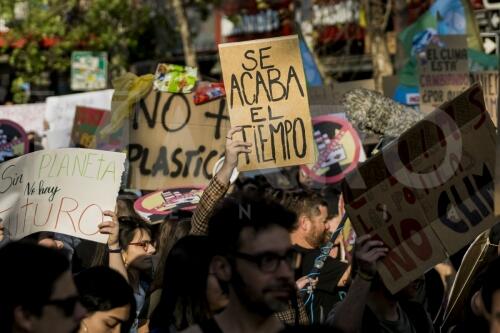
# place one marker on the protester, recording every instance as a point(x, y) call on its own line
point(219, 184)
point(38, 292)
point(170, 231)
point(130, 252)
point(108, 298)
point(191, 293)
point(308, 236)
point(490, 293)
point(481, 308)
point(254, 256)
point(369, 306)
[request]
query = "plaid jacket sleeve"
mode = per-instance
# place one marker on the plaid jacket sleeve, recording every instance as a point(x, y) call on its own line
point(288, 316)
point(214, 192)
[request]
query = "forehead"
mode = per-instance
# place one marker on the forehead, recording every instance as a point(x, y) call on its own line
point(272, 239)
point(141, 235)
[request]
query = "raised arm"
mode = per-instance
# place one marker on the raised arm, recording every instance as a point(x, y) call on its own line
point(347, 317)
point(112, 228)
point(219, 184)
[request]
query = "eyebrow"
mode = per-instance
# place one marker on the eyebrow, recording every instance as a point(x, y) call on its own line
point(121, 320)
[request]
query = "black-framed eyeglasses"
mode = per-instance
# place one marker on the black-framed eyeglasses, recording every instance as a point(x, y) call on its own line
point(268, 262)
point(67, 305)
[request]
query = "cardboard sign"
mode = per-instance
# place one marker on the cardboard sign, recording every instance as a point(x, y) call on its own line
point(29, 115)
point(429, 193)
point(63, 191)
point(89, 70)
point(489, 81)
point(13, 140)
point(60, 113)
point(87, 120)
point(444, 71)
point(267, 97)
point(339, 149)
point(174, 142)
point(157, 205)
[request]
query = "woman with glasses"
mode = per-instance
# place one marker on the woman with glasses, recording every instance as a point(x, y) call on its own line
point(130, 250)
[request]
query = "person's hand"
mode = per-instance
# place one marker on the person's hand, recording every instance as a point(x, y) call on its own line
point(111, 228)
point(304, 281)
point(366, 254)
point(233, 149)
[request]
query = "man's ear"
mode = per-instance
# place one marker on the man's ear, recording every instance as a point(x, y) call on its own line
point(23, 319)
point(304, 222)
point(221, 268)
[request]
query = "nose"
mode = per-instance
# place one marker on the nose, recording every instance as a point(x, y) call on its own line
point(80, 312)
point(151, 249)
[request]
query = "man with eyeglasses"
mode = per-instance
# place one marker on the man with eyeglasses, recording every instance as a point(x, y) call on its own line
point(38, 292)
point(255, 258)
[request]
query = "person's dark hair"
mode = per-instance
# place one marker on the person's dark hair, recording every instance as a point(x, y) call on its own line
point(238, 212)
point(128, 226)
point(303, 203)
point(491, 283)
point(125, 205)
point(331, 196)
point(183, 299)
point(102, 289)
point(27, 279)
point(171, 230)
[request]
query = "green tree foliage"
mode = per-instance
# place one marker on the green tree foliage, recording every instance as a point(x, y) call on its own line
point(114, 26)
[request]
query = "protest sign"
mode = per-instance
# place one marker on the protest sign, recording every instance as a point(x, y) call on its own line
point(155, 206)
point(29, 115)
point(267, 97)
point(339, 149)
point(444, 71)
point(489, 81)
point(429, 193)
point(87, 120)
point(63, 191)
point(89, 70)
point(13, 140)
point(174, 142)
point(60, 113)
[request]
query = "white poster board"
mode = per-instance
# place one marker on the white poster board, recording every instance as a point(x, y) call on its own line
point(29, 116)
point(63, 191)
point(60, 113)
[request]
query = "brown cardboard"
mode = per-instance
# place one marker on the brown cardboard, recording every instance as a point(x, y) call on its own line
point(443, 71)
point(175, 142)
point(490, 82)
point(267, 96)
point(437, 199)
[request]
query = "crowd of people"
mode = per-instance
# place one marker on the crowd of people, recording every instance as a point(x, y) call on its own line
point(253, 256)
